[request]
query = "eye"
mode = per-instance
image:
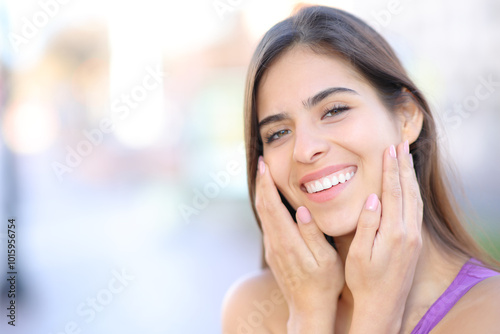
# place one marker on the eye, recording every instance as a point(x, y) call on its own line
point(276, 135)
point(335, 110)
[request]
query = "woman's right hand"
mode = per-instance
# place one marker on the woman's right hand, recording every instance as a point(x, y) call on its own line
point(306, 267)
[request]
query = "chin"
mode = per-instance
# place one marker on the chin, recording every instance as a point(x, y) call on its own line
point(336, 224)
point(330, 219)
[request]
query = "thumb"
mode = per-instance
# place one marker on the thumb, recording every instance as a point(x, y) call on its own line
point(312, 235)
point(368, 224)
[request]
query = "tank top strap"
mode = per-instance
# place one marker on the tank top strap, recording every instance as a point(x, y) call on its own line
point(471, 273)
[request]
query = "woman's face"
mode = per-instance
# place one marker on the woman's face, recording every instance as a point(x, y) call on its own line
point(321, 124)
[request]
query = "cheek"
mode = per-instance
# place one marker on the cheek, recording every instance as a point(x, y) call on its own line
point(280, 172)
point(372, 166)
point(371, 128)
point(371, 139)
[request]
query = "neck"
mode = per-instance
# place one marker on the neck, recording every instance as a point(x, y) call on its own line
point(342, 244)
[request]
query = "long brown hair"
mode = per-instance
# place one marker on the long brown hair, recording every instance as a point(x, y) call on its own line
point(332, 31)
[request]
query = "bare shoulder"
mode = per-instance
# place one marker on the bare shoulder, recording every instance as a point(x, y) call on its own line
point(476, 312)
point(254, 304)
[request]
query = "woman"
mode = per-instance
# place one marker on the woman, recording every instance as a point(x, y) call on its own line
point(360, 231)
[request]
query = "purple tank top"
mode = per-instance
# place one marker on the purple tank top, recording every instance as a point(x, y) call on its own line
point(469, 275)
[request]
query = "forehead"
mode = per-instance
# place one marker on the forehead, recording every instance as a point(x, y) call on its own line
point(300, 73)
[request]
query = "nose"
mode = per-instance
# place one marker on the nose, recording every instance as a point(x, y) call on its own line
point(309, 145)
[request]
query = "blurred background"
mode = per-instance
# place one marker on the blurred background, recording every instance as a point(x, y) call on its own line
point(121, 148)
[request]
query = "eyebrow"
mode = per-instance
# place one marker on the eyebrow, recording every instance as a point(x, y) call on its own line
point(308, 104)
point(312, 101)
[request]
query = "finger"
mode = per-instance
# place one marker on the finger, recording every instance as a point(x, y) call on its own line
point(283, 242)
point(275, 219)
point(313, 236)
point(411, 191)
point(366, 231)
point(392, 205)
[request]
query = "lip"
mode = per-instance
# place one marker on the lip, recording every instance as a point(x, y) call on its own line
point(322, 173)
point(330, 193)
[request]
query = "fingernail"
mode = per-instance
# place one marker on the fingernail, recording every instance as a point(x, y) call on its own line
point(411, 159)
point(407, 147)
point(372, 202)
point(392, 151)
point(303, 215)
point(262, 166)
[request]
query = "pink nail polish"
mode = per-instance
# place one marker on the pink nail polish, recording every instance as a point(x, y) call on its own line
point(407, 147)
point(392, 151)
point(303, 215)
point(372, 202)
point(262, 167)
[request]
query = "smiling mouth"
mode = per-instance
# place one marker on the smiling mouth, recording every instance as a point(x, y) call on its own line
point(329, 181)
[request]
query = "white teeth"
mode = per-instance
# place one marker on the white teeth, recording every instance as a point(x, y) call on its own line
point(318, 186)
point(327, 183)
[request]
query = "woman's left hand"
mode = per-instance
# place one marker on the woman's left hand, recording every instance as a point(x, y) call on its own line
point(383, 255)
